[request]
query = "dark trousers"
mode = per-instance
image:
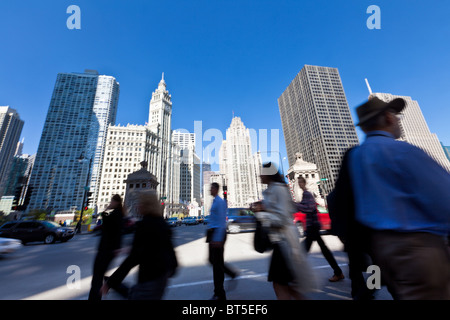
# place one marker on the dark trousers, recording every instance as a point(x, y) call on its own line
point(219, 270)
point(313, 234)
point(414, 265)
point(150, 290)
point(101, 264)
point(358, 261)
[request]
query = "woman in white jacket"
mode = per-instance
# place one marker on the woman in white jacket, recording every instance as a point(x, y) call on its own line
point(290, 272)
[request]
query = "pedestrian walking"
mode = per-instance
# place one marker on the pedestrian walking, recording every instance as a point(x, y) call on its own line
point(216, 237)
point(309, 207)
point(152, 250)
point(400, 198)
point(109, 245)
point(289, 270)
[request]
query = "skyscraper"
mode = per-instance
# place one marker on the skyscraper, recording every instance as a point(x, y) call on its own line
point(183, 139)
point(415, 129)
point(240, 166)
point(18, 180)
point(190, 170)
point(10, 129)
point(446, 151)
point(127, 146)
point(160, 122)
point(190, 179)
point(316, 120)
point(206, 174)
point(81, 108)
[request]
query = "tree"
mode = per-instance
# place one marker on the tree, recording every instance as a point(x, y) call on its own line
point(38, 214)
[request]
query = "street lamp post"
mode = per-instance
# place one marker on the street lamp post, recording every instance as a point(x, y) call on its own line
point(86, 188)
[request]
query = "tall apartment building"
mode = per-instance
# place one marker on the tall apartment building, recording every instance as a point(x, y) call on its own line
point(415, 129)
point(316, 120)
point(240, 166)
point(10, 129)
point(81, 108)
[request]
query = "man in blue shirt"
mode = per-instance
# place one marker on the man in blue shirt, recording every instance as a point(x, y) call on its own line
point(216, 237)
point(402, 196)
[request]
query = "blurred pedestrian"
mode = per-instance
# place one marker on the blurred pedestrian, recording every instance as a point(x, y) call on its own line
point(152, 250)
point(216, 237)
point(401, 203)
point(110, 242)
point(290, 272)
point(309, 207)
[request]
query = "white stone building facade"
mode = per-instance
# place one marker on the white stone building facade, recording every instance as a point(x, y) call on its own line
point(415, 129)
point(240, 166)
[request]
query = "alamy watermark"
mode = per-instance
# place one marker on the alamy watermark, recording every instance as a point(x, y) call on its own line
point(374, 280)
point(74, 20)
point(374, 21)
point(74, 280)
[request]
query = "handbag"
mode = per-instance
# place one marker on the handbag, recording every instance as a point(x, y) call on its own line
point(261, 241)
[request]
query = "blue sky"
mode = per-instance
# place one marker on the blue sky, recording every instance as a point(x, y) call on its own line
point(223, 56)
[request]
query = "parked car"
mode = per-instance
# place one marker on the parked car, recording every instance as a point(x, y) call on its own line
point(322, 215)
point(33, 230)
point(201, 219)
point(174, 222)
point(8, 245)
point(240, 219)
point(188, 221)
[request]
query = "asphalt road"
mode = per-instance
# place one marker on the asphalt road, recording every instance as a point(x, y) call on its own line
point(39, 271)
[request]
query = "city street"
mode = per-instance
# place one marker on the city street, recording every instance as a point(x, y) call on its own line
point(39, 271)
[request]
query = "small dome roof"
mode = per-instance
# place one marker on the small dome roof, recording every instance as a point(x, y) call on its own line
point(141, 174)
point(301, 164)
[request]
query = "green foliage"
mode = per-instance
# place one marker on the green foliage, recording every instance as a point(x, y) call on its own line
point(87, 216)
point(37, 214)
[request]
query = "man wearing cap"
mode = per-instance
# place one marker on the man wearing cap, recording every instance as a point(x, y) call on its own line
point(401, 196)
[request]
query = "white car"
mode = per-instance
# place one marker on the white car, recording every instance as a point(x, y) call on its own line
point(9, 245)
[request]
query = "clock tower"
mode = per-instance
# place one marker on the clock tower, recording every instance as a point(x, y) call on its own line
point(159, 121)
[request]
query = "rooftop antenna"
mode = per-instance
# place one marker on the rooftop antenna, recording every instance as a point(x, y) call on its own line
point(368, 86)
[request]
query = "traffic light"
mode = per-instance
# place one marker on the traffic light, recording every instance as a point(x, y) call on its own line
point(85, 208)
point(225, 195)
point(88, 200)
point(17, 193)
point(320, 191)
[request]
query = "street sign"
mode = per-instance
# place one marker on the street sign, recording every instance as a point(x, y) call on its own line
point(163, 198)
point(324, 179)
